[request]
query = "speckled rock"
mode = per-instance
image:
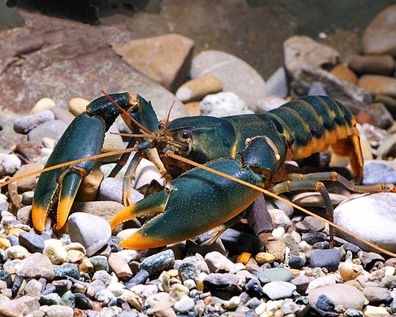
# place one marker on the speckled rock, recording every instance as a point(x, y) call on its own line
point(37, 265)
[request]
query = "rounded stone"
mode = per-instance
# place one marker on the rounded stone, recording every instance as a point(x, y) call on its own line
point(43, 104)
point(196, 89)
point(279, 289)
point(91, 231)
point(26, 124)
point(78, 105)
point(329, 259)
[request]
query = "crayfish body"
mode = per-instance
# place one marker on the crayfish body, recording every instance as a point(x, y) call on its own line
point(252, 148)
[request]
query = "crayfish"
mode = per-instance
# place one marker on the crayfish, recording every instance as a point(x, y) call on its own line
point(235, 158)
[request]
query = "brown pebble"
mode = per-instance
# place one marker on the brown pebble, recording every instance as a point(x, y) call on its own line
point(343, 72)
point(119, 266)
point(377, 84)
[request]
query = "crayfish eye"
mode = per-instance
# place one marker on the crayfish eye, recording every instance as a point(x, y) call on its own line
point(185, 135)
point(161, 126)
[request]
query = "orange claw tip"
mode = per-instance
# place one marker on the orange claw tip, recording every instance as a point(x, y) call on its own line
point(137, 241)
point(64, 206)
point(122, 216)
point(39, 216)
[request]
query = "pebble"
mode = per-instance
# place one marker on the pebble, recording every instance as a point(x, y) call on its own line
point(353, 313)
point(66, 270)
point(57, 311)
point(51, 129)
point(26, 124)
point(235, 74)
point(37, 266)
point(78, 105)
point(158, 262)
point(90, 186)
point(378, 37)
point(310, 224)
point(184, 305)
point(43, 104)
point(296, 261)
point(55, 251)
point(329, 259)
point(223, 104)
point(9, 164)
point(198, 88)
point(99, 263)
point(277, 248)
point(63, 114)
point(277, 84)
point(50, 299)
point(279, 289)
point(375, 220)
point(264, 257)
point(17, 252)
point(373, 311)
point(222, 285)
point(325, 303)
point(344, 73)
point(372, 64)
point(274, 274)
point(74, 256)
point(31, 241)
point(377, 173)
point(314, 237)
point(119, 266)
point(377, 84)
point(341, 294)
point(112, 189)
point(219, 263)
point(93, 232)
point(375, 294)
point(349, 271)
point(301, 282)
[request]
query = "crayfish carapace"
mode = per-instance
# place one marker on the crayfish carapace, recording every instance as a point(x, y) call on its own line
point(250, 149)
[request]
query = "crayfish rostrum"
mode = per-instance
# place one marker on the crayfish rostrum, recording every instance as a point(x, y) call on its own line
point(252, 148)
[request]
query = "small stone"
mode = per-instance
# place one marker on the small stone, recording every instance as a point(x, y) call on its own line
point(139, 278)
point(74, 256)
point(264, 257)
point(36, 266)
point(43, 104)
point(223, 104)
point(353, 313)
point(112, 189)
point(219, 263)
point(373, 311)
point(51, 129)
point(253, 288)
point(279, 218)
point(17, 252)
point(160, 305)
point(325, 303)
point(31, 241)
point(119, 266)
point(310, 224)
point(90, 185)
point(343, 72)
point(50, 299)
point(193, 108)
point(277, 248)
point(103, 209)
point(372, 64)
point(91, 231)
point(301, 283)
point(28, 183)
point(329, 259)
point(33, 288)
point(6, 277)
point(78, 105)
point(341, 294)
point(99, 263)
point(184, 305)
point(82, 302)
point(314, 237)
point(68, 299)
point(55, 251)
point(158, 262)
point(221, 285)
point(189, 271)
point(349, 271)
point(63, 114)
point(61, 286)
point(4, 243)
point(27, 198)
point(57, 311)
point(196, 89)
point(375, 294)
point(279, 289)
point(296, 261)
point(65, 270)
point(273, 275)
point(9, 164)
point(76, 246)
point(377, 84)
point(26, 124)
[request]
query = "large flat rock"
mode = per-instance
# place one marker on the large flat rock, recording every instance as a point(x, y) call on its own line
point(51, 57)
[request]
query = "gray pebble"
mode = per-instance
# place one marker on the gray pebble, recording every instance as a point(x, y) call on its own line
point(50, 299)
point(314, 237)
point(158, 262)
point(275, 274)
point(31, 241)
point(99, 263)
point(112, 189)
point(51, 129)
point(27, 123)
point(68, 299)
point(325, 303)
point(353, 313)
point(65, 270)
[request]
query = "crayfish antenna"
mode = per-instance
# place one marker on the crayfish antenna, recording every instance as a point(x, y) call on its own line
point(167, 118)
